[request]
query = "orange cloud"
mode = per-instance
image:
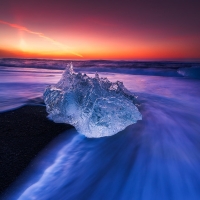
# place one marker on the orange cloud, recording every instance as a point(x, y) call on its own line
point(22, 28)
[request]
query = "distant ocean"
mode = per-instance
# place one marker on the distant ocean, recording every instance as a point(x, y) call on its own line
point(156, 158)
point(25, 79)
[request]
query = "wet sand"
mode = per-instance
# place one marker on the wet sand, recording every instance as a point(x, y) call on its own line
point(24, 132)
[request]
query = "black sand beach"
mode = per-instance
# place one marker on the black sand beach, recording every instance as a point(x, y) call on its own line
point(24, 132)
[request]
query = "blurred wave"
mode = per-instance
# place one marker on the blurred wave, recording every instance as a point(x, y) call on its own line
point(155, 68)
point(191, 72)
point(18, 86)
point(156, 158)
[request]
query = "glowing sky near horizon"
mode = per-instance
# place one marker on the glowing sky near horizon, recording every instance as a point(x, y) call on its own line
point(128, 29)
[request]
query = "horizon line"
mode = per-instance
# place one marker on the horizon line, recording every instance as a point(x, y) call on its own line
point(116, 59)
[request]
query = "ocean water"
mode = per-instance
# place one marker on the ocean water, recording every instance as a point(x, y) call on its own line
point(156, 158)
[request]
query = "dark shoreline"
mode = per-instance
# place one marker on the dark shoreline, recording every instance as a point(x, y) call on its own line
point(24, 132)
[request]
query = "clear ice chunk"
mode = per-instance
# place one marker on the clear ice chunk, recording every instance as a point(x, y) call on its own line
point(95, 106)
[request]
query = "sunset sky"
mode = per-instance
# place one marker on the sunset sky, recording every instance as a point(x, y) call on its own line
point(106, 29)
